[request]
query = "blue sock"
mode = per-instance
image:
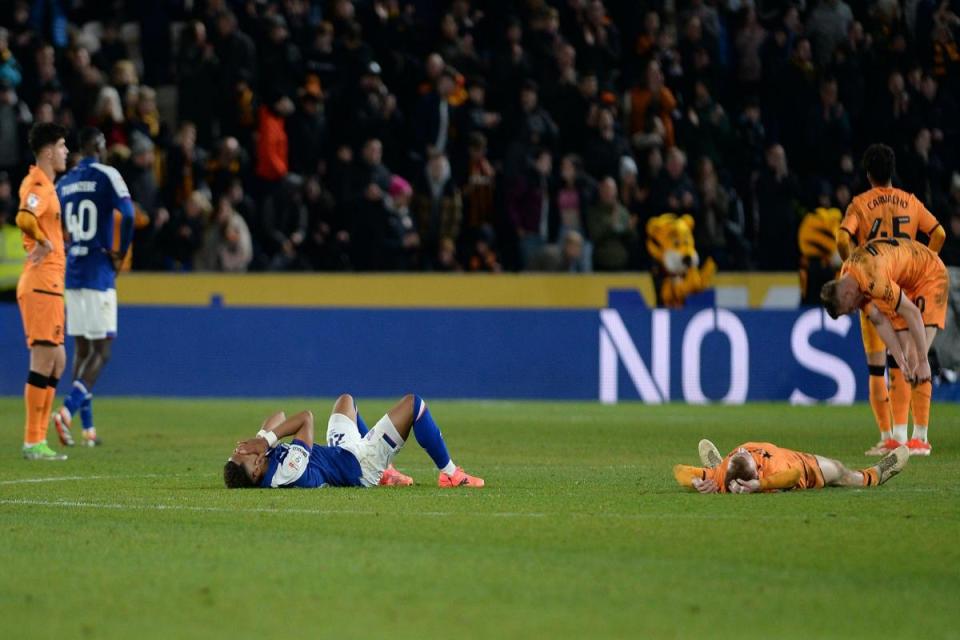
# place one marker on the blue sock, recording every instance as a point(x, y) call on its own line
point(86, 412)
point(428, 434)
point(73, 401)
point(361, 425)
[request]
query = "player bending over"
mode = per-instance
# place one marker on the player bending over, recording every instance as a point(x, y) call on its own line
point(902, 286)
point(353, 457)
point(760, 466)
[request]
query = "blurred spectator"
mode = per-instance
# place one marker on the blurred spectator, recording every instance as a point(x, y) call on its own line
point(112, 47)
point(828, 130)
point(612, 230)
point(827, 26)
point(778, 195)
point(198, 80)
point(401, 243)
point(673, 190)
point(575, 193)
point(654, 98)
point(272, 140)
point(237, 56)
point(605, 146)
point(478, 189)
point(307, 130)
point(439, 208)
point(285, 224)
point(186, 167)
point(182, 238)
point(10, 71)
point(15, 118)
point(565, 256)
point(145, 116)
point(227, 245)
point(279, 60)
point(108, 116)
point(921, 170)
point(528, 206)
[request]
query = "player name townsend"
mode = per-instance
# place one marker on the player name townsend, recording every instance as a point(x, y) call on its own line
point(84, 186)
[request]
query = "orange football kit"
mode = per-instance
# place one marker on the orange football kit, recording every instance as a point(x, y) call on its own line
point(40, 291)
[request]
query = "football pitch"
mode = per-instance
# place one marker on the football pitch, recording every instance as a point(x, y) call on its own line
point(580, 532)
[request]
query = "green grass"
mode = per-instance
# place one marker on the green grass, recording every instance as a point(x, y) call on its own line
point(580, 532)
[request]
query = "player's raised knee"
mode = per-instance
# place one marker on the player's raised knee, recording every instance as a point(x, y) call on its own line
point(344, 403)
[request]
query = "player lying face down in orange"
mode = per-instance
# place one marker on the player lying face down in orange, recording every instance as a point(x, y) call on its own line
point(763, 467)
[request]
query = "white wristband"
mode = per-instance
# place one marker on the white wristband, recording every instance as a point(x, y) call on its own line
point(269, 436)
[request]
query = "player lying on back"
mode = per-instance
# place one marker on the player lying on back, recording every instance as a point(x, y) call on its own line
point(902, 286)
point(762, 467)
point(353, 456)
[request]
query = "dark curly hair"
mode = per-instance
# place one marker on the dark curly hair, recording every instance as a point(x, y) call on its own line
point(879, 162)
point(43, 134)
point(236, 477)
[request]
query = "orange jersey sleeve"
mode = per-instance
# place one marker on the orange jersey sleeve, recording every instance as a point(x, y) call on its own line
point(851, 222)
point(926, 221)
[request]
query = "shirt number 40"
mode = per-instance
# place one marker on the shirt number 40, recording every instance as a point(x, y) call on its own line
point(82, 221)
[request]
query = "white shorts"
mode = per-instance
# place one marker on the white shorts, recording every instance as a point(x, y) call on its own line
point(91, 314)
point(374, 451)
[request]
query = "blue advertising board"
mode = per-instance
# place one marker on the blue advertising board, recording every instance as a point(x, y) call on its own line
point(610, 355)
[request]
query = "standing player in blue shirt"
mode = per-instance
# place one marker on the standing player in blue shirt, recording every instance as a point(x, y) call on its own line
point(353, 457)
point(97, 241)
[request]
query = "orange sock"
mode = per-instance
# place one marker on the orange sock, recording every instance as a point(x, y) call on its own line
point(48, 404)
point(921, 404)
point(35, 400)
point(899, 397)
point(871, 477)
point(880, 399)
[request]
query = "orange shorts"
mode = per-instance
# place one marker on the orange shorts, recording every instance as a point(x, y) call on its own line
point(43, 316)
point(812, 477)
point(931, 298)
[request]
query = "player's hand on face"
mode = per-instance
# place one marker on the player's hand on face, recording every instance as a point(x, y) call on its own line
point(705, 486)
point(744, 486)
point(40, 251)
point(256, 446)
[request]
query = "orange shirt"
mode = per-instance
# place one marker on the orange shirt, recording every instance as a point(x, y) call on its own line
point(39, 197)
point(882, 268)
point(772, 460)
point(885, 212)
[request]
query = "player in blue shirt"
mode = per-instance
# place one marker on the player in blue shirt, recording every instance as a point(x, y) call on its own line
point(353, 456)
point(97, 241)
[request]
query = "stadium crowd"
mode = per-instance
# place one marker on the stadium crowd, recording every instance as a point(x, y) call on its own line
point(485, 135)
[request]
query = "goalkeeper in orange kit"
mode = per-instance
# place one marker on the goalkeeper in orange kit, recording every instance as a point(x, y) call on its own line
point(762, 467)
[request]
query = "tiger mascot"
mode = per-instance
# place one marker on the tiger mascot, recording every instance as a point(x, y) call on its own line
point(819, 258)
point(676, 266)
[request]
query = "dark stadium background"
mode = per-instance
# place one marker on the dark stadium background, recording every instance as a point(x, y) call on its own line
point(246, 129)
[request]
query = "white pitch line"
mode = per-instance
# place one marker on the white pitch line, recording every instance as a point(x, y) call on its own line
point(317, 512)
point(70, 478)
point(370, 512)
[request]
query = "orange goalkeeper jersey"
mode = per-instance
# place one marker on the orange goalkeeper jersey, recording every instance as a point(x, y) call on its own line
point(777, 466)
point(886, 212)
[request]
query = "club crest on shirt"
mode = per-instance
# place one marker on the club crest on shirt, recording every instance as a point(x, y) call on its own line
point(33, 201)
